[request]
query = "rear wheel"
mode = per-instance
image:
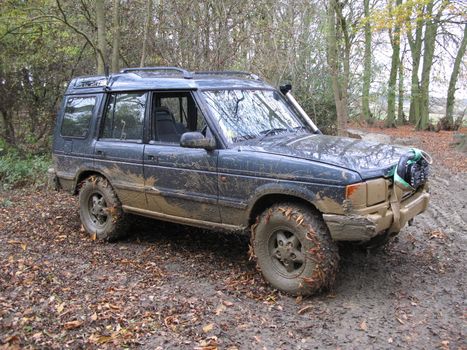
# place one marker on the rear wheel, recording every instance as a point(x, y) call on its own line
point(294, 249)
point(100, 210)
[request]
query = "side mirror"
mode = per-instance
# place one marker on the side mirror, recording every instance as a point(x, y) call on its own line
point(195, 139)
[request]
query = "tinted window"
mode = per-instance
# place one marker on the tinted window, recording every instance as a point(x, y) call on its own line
point(78, 113)
point(125, 116)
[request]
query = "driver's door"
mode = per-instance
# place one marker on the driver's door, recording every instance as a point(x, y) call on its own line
point(179, 182)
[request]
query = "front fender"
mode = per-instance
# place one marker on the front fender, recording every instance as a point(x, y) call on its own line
point(327, 199)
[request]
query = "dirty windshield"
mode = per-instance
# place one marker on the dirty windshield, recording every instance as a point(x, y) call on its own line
point(252, 114)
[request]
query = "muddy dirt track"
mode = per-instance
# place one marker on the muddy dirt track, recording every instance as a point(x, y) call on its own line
point(172, 287)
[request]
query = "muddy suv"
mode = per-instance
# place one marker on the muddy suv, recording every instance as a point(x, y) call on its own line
point(226, 151)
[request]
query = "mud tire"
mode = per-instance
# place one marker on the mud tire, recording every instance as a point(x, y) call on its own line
point(307, 238)
point(100, 210)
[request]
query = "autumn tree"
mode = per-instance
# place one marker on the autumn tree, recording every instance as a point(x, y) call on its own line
point(338, 61)
point(415, 40)
point(453, 80)
point(116, 35)
point(394, 35)
point(401, 94)
point(429, 42)
point(325, 49)
point(366, 64)
point(147, 23)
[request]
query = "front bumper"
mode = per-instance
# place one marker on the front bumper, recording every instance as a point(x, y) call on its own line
point(364, 225)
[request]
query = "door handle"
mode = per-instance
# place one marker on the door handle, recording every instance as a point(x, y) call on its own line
point(100, 153)
point(152, 157)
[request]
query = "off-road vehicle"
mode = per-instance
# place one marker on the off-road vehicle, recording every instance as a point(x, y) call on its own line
point(226, 151)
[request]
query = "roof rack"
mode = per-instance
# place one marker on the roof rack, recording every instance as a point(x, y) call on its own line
point(90, 82)
point(186, 74)
point(230, 72)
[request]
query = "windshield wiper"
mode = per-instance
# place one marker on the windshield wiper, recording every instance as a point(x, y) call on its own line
point(241, 138)
point(272, 131)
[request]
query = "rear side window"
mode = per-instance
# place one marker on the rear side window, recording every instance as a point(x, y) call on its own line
point(124, 116)
point(78, 113)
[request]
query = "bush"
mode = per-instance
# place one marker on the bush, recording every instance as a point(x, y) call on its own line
point(17, 170)
point(322, 111)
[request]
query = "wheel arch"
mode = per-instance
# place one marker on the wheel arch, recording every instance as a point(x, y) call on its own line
point(84, 175)
point(271, 197)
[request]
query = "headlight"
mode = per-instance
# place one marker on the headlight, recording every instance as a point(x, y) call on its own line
point(356, 193)
point(367, 193)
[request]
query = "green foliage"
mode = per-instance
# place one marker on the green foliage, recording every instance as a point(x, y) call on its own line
point(17, 170)
point(5, 203)
point(322, 111)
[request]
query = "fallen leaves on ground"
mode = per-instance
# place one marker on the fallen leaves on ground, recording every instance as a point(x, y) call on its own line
point(72, 324)
point(437, 144)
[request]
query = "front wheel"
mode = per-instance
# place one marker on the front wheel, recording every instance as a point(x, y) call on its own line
point(294, 249)
point(100, 210)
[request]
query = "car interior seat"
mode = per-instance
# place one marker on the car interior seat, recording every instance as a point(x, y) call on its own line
point(166, 128)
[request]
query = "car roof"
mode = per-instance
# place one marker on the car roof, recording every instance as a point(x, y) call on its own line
point(165, 78)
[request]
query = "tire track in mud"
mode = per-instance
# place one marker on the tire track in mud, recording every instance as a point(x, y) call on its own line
point(448, 205)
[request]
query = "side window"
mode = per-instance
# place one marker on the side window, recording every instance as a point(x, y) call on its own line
point(124, 116)
point(173, 114)
point(178, 106)
point(78, 113)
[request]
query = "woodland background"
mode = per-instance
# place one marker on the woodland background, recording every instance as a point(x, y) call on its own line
point(392, 62)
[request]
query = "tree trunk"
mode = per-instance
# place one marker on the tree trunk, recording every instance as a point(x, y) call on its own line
point(414, 111)
point(146, 31)
point(366, 65)
point(400, 101)
point(395, 43)
point(339, 84)
point(346, 73)
point(116, 35)
point(100, 20)
point(207, 32)
point(416, 50)
point(431, 28)
point(453, 79)
point(9, 129)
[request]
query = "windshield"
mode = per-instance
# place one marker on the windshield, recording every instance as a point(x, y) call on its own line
point(249, 114)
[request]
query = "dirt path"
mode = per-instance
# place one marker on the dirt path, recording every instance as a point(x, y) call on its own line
point(173, 287)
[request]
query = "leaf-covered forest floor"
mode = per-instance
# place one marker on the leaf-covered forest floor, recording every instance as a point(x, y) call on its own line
point(168, 286)
point(437, 144)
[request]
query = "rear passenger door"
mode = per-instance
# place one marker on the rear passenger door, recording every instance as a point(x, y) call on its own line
point(119, 148)
point(180, 182)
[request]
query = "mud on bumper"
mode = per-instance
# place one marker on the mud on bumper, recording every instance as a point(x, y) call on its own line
point(363, 226)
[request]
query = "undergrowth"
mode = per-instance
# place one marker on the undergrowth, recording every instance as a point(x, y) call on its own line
point(20, 170)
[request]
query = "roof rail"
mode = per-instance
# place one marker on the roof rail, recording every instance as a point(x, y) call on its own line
point(186, 74)
point(90, 82)
point(230, 72)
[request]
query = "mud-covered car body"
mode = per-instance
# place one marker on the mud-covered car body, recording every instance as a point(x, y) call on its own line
point(160, 166)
